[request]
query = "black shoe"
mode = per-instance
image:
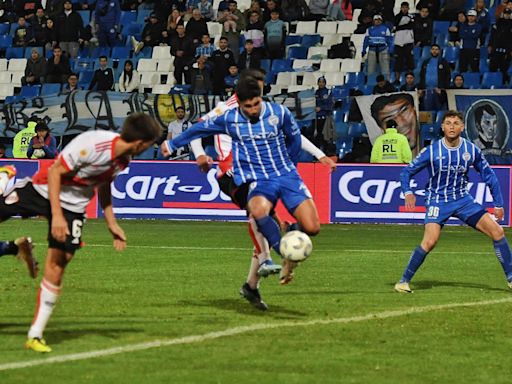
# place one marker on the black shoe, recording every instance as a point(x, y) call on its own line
point(253, 297)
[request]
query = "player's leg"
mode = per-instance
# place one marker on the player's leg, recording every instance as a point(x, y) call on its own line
point(22, 249)
point(259, 207)
point(307, 217)
point(430, 237)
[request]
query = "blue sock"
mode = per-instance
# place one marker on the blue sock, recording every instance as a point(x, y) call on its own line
point(417, 258)
point(8, 248)
point(270, 229)
point(502, 250)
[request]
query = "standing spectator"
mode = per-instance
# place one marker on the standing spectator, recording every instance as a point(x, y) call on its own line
point(50, 36)
point(231, 80)
point(206, 9)
point(196, 27)
point(26, 8)
point(103, 79)
point(391, 147)
point(6, 11)
point(404, 40)
point(107, 15)
point(410, 83)
point(72, 84)
point(432, 5)
point(294, 10)
point(383, 86)
point(206, 49)
point(23, 35)
point(470, 44)
point(270, 5)
point(483, 18)
point(131, 5)
point(42, 145)
point(255, 31)
point(250, 57)
point(379, 43)
point(500, 8)
point(151, 34)
point(39, 27)
point(318, 9)
point(435, 79)
point(323, 108)
point(176, 128)
point(454, 28)
point(275, 36)
point(200, 79)
point(182, 50)
point(255, 7)
point(57, 68)
point(423, 28)
point(221, 60)
point(35, 69)
point(54, 8)
point(450, 9)
point(500, 45)
point(70, 26)
point(129, 79)
point(458, 82)
point(173, 21)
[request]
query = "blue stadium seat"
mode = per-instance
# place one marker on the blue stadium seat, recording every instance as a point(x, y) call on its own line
point(4, 28)
point(371, 79)
point(425, 53)
point(14, 53)
point(133, 29)
point(356, 129)
point(145, 53)
point(85, 77)
point(339, 92)
point(29, 91)
point(265, 65)
point(128, 17)
point(484, 65)
point(492, 80)
point(181, 89)
point(471, 79)
point(355, 78)
point(13, 28)
point(148, 154)
point(343, 146)
point(142, 15)
point(416, 52)
point(440, 27)
point(28, 51)
point(86, 16)
point(429, 133)
point(280, 65)
point(293, 39)
point(100, 51)
point(442, 39)
point(340, 125)
point(367, 89)
point(84, 64)
point(451, 54)
point(11, 99)
point(297, 53)
point(5, 41)
point(50, 89)
point(310, 40)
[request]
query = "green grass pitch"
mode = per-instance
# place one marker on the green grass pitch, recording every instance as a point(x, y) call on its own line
point(339, 321)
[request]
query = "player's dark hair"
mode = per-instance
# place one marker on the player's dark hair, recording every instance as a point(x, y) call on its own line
point(382, 101)
point(479, 112)
point(255, 73)
point(247, 89)
point(139, 126)
point(452, 113)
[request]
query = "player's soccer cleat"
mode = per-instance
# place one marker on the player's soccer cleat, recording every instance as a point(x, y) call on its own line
point(268, 268)
point(253, 297)
point(7, 172)
point(403, 287)
point(287, 271)
point(37, 345)
point(25, 255)
point(509, 283)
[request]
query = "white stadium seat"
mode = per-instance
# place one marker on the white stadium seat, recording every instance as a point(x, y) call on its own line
point(306, 28)
point(163, 52)
point(346, 27)
point(330, 65)
point(327, 27)
point(17, 64)
point(312, 51)
point(147, 65)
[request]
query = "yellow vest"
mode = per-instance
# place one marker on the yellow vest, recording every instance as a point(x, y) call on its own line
point(391, 147)
point(22, 140)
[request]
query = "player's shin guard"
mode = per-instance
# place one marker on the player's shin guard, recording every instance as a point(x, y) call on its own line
point(417, 258)
point(502, 250)
point(46, 300)
point(270, 229)
point(8, 248)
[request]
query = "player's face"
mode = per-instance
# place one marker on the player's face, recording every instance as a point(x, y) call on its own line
point(488, 126)
point(452, 127)
point(404, 114)
point(251, 108)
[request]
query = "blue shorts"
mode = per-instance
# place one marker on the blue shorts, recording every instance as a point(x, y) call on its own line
point(466, 209)
point(289, 188)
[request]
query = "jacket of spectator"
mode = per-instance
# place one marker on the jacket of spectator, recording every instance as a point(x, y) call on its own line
point(404, 26)
point(107, 13)
point(318, 7)
point(57, 72)
point(129, 85)
point(69, 26)
point(501, 36)
point(249, 60)
point(196, 27)
point(295, 10)
point(54, 8)
point(152, 33)
point(23, 36)
point(469, 35)
point(36, 67)
point(26, 8)
point(103, 79)
point(423, 29)
point(443, 73)
point(378, 38)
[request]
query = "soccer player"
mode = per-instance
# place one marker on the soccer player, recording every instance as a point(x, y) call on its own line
point(61, 194)
point(448, 161)
point(263, 136)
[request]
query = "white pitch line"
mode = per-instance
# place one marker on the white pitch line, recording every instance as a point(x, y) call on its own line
point(240, 330)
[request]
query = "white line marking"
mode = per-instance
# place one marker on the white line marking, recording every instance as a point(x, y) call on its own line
point(240, 330)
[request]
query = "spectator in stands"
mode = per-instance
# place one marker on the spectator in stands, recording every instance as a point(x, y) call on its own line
point(458, 82)
point(423, 28)
point(107, 15)
point(182, 50)
point(231, 80)
point(200, 79)
point(26, 8)
point(318, 9)
point(151, 34)
point(270, 5)
point(344, 50)
point(450, 9)
point(383, 86)
point(323, 107)
point(2, 151)
point(176, 128)
point(206, 9)
point(50, 37)
point(173, 21)
point(39, 26)
point(500, 8)
point(103, 78)
point(255, 31)
point(70, 26)
point(6, 11)
point(232, 19)
point(54, 8)
point(431, 5)
point(410, 83)
point(164, 7)
point(404, 40)
point(379, 44)
point(35, 69)
point(454, 28)
point(500, 44)
point(129, 79)
point(250, 57)
point(294, 10)
point(223, 5)
point(340, 10)
point(72, 84)
point(391, 147)
point(470, 44)
point(206, 49)
point(86, 5)
point(275, 36)
point(220, 61)
point(23, 35)
point(131, 5)
point(364, 22)
point(42, 145)
point(196, 27)
point(483, 18)
point(57, 68)
point(435, 79)
point(255, 7)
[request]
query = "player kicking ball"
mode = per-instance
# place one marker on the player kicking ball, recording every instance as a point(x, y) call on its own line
point(61, 193)
point(448, 161)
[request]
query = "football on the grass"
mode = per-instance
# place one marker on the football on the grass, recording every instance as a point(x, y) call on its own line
point(295, 246)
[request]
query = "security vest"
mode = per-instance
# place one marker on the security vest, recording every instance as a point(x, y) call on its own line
point(22, 140)
point(391, 147)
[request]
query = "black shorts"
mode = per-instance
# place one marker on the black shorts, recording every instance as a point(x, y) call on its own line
point(25, 201)
point(237, 193)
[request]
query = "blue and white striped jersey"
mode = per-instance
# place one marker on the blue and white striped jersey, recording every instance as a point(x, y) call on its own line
point(261, 150)
point(448, 170)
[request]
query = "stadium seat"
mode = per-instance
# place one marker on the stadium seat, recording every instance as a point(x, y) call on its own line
point(30, 91)
point(4, 28)
point(161, 89)
point(311, 78)
point(142, 15)
point(86, 16)
point(346, 27)
point(327, 27)
point(50, 89)
point(5, 41)
point(305, 27)
point(163, 52)
point(5, 77)
point(451, 54)
point(85, 77)
point(297, 88)
point(120, 53)
point(284, 79)
point(84, 64)
point(100, 51)
point(275, 89)
point(165, 65)
point(429, 133)
point(356, 129)
point(6, 90)
point(491, 80)
point(303, 65)
point(355, 78)
point(292, 39)
point(280, 65)
point(343, 146)
point(330, 39)
point(132, 29)
point(17, 65)
point(297, 53)
point(350, 65)
point(128, 17)
point(339, 92)
point(330, 65)
point(3, 64)
point(16, 78)
point(14, 53)
point(440, 27)
point(471, 80)
point(310, 40)
point(214, 28)
point(148, 79)
point(147, 65)
point(317, 52)
point(265, 65)
point(145, 53)
point(334, 78)
point(484, 65)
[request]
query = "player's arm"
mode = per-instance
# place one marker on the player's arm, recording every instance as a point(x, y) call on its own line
point(105, 199)
point(59, 227)
point(292, 134)
point(313, 150)
point(421, 161)
point(204, 162)
point(490, 179)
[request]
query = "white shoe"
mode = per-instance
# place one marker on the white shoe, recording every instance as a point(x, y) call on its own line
point(403, 287)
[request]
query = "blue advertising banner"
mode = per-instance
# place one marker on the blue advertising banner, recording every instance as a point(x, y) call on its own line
point(372, 194)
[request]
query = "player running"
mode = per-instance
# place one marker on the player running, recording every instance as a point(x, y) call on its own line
point(448, 161)
point(61, 194)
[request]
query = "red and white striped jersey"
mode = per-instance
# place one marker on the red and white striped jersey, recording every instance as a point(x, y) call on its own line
point(90, 161)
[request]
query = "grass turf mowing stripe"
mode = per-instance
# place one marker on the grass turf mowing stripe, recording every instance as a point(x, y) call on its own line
point(240, 330)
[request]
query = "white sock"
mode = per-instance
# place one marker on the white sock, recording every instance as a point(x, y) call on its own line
point(4, 181)
point(46, 299)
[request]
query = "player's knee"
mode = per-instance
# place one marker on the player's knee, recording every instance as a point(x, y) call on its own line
point(428, 244)
point(312, 229)
point(497, 233)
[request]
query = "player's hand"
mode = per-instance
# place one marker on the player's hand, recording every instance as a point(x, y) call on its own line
point(499, 213)
point(59, 228)
point(327, 161)
point(204, 163)
point(410, 202)
point(119, 237)
point(164, 148)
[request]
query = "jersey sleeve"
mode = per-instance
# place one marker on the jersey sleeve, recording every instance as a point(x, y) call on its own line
point(198, 130)
point(488, 176)
point(310, 148)
point(292, 135)
point(78, 152)
point(421, 161)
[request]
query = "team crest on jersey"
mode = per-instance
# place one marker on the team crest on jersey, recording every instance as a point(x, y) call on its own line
point(83, 153)
point(252, 186)
point(12, 198)
point(273, 120)
point(466, 156)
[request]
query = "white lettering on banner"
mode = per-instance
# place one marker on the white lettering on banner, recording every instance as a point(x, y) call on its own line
point(373, 191)
point(212, 180)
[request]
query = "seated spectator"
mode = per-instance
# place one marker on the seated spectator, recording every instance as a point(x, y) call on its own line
point(410, 83)
point(57, 68)
point(295, 10)
point(206, 9)
point(232, 19)
point(196, 27)
point(423, 28)
point(201, 82)
point(335, 11)
point(206, 49)
point(103, 79)
point(72, 84)
point(255, 7)
point(42, 145)
point(231, 80)
point(23, 36)
point(38, 27)
point(250, 57)
point(49, 36)
point(275, 36)
point(35, 69)
point(454, 28)
point(151, 34)
point(318, 9)
point(383, 86)
point(129, 79)
point(458, 82)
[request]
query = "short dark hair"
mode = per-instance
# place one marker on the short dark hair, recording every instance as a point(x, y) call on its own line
point(249, 41)
point(381, 101)
point(435, 45)
point(254, 73)
point(223, 38)
point(72, 74)
point(452, 113)
point(179, 107)
point(140, 126)
point(410, 73)
point(247, 88)
point(103, 57)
